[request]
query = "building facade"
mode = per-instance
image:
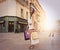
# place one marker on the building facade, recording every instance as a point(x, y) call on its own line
point(38, 15)
point(57, 27)
point(13, 15)
point(17, 14)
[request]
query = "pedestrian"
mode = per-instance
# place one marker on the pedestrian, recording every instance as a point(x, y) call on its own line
point(53, 35)
point(34, 38)
point(16, 30)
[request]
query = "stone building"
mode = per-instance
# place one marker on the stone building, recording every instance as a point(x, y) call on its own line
point(13, 15)
point(17, 14)
point(38, 16)
point(57, 26)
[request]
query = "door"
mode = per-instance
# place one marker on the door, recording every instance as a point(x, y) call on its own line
point(11, 26)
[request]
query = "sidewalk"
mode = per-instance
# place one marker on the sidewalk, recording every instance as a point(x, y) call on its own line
point(12, 41)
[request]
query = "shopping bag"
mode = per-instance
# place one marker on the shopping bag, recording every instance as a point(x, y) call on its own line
point(34, 35)
point(26, 35)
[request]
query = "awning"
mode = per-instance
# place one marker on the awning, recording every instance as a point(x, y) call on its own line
point(1, 21)
point(22, 21)
point(1, 18)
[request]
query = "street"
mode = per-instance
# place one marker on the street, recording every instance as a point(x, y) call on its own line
point(15, 41)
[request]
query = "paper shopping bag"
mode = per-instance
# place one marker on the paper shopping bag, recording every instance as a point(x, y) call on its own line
point(34, 35)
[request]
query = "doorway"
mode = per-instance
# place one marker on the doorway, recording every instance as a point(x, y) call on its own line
point(11, 26)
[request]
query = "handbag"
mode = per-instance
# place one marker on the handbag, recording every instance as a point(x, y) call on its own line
point(26, 35)
point(34, 35)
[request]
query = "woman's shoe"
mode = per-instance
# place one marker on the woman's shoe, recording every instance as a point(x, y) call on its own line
point(31, 47)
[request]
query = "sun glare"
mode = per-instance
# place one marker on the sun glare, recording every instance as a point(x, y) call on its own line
point(48, 24)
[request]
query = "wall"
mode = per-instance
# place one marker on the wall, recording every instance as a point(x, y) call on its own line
point(18, 11)
point(8, 8)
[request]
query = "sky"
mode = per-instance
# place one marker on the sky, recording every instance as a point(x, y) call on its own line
point(52, 9)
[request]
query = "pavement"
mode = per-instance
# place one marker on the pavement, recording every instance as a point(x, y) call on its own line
point(16, 41)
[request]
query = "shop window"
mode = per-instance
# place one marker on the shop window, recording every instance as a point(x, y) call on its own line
point(4, 24)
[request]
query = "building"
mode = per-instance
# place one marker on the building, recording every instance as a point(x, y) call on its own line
point(17, 14)
point(13, 15)
point(57, 27)
point(38, 15)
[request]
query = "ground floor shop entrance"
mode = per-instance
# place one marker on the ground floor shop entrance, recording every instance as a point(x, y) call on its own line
point(11, 23)
point(10, 26)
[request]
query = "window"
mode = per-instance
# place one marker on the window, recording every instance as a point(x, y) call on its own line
point(21, 12)
point(26, 15)
point(26, 1)
point(23, 0)
point(2, 1)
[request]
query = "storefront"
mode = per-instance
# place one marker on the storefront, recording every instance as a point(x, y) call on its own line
point(2, 24)
point(11, 23)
